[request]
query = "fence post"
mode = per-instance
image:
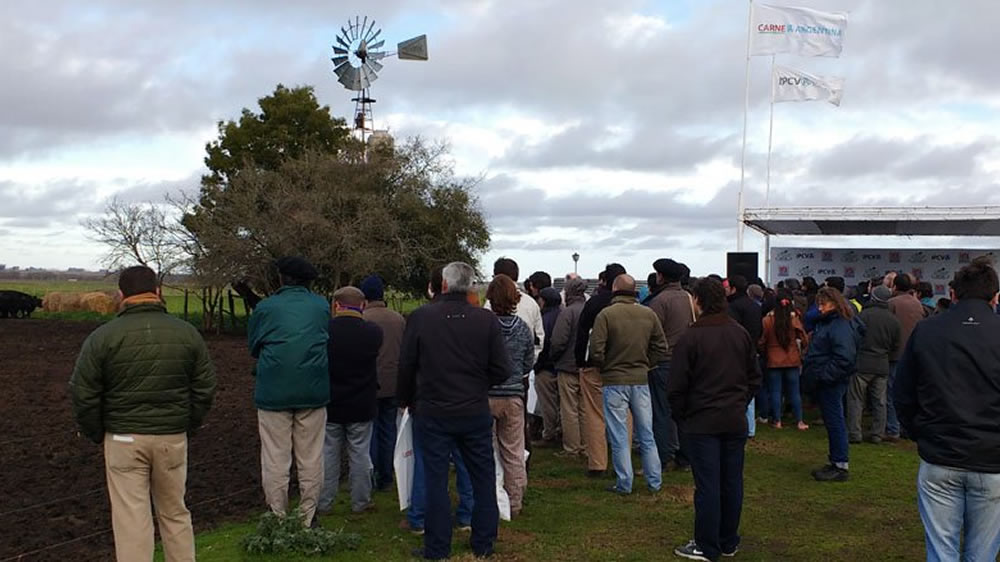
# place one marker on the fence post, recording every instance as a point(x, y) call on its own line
point(185, 304)
point(222, 312)
point(232, 310)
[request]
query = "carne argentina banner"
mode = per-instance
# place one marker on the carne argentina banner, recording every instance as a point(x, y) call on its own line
point(798, 31)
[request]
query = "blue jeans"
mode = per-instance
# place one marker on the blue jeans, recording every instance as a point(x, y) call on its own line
point(418, 494)
point(831, 405)
point(618, 400)
point(473, 436)
point(891, 421)
point(717, 464)
point(664, 427)
point(384, 441)
point(959, 505)
point(785, 379)
point(752, 418)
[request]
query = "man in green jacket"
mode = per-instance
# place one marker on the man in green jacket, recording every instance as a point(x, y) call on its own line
point(142, 382)
point(628, 341)
point(288, 334)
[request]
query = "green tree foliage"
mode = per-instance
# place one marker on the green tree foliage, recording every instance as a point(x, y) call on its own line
point(395, 210)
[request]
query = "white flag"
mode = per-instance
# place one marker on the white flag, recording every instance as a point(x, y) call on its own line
point(794, 85)
point(799, 31)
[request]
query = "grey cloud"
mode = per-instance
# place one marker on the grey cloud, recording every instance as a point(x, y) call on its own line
point(899, 159)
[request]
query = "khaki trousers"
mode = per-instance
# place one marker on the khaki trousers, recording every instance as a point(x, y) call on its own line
point(508, 429)
point(298, 432)
point(547, 389)
point(136, 467)
point(571, 412)
point(594, 438)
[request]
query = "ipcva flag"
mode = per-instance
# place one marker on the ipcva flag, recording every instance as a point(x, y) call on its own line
point(797, 31)
point(789, 84)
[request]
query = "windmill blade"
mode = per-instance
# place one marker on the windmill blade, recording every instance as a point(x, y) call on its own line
point(374, 66)
point(337, 50)
point(364, 24)
point(343, 69)
point(337, 61)
point(377, 45)
point(374, 37)
point(357, 21)
point(413, 49)
point(349, 77)
point(377, 55)
point(342, 39)
point(370, 29)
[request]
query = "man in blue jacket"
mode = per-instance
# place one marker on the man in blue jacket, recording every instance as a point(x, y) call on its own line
point(948, 399)
point(288, 334)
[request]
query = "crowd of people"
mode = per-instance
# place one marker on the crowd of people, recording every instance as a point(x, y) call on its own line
point(683, 372)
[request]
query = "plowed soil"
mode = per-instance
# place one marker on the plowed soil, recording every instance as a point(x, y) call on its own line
point(53, 498)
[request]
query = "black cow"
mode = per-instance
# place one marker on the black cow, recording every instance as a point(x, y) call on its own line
point(15, 304)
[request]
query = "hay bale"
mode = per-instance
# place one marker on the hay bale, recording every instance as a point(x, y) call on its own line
point(70, 302)
point(51, 302)
point(97, 302)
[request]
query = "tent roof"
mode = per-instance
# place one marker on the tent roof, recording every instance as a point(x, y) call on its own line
point(875, 221)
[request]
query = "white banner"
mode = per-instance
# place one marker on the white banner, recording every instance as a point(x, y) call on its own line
point(936, 267)
point(798, 31)
point(789, 84)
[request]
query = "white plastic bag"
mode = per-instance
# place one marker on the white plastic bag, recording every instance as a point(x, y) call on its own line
point(402, 460)
point(503, 500)
point(532, 407)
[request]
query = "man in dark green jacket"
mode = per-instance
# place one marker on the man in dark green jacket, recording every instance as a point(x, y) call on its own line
point(288, 334)
point(142, 382)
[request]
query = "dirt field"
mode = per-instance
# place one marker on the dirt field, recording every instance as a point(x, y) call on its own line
point(53, 501)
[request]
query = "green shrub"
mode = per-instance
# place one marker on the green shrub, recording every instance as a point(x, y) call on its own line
point(287, 535)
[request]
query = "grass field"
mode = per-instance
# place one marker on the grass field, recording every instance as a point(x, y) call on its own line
point(173, 296)
point(567, 516)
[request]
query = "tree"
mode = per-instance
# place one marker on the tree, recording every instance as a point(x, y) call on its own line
point(290, 123)
point(291, 181)
point(137, 233)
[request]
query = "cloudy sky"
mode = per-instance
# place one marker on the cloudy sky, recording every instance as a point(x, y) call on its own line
point(611, 129)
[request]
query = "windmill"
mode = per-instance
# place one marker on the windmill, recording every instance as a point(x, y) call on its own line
point(357, 57)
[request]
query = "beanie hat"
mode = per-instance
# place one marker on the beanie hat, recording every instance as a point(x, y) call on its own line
point(373, 288)
point(881, 294)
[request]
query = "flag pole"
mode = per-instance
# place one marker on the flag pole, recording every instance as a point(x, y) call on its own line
point(770, 137)
point(743, 155)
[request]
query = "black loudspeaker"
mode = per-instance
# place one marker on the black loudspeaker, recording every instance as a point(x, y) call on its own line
point(742, 263)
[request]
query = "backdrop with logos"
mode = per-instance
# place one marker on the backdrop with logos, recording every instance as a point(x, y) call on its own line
point(937, 267)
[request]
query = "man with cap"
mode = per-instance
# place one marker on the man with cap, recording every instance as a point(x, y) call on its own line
point(353, 351)
point(674, 309)
point(288, 333)
point(384, 429)
point(870, 383)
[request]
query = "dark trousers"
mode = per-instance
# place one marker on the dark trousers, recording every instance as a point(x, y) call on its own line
point(717, 464)
point(763, 404)
point(384, 441)
point(831, 404)
point(664, 427)
point(473, 436)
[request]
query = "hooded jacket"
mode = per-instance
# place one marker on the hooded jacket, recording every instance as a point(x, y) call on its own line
point(675, 311)
point(833, 350)
point(564, 333)
point(627, 342)
point(521, 351)
point(551, 306)
point(882, 339)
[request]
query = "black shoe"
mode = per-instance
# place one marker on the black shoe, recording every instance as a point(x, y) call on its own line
point(419, 553)
point(830, 473)
point(595, 474)
point(731, 553)
point(616, 490)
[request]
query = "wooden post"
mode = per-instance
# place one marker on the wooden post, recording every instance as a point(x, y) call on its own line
point(232, 310)
point(222, 311)
point(185, 304)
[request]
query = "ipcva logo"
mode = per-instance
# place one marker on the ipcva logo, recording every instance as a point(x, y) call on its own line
point(795, 81)
point(805, 256)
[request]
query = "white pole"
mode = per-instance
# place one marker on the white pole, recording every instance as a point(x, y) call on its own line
point(770, 137)
point(743, 156)
point(767, 260)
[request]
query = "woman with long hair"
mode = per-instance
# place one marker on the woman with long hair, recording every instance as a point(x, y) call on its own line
point(830, 362)
point(782, 342)
point(506, 402)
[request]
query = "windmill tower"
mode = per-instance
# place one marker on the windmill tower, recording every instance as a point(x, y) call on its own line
point(357, 57)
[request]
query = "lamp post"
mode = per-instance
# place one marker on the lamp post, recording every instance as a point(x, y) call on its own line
point(576, 260)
